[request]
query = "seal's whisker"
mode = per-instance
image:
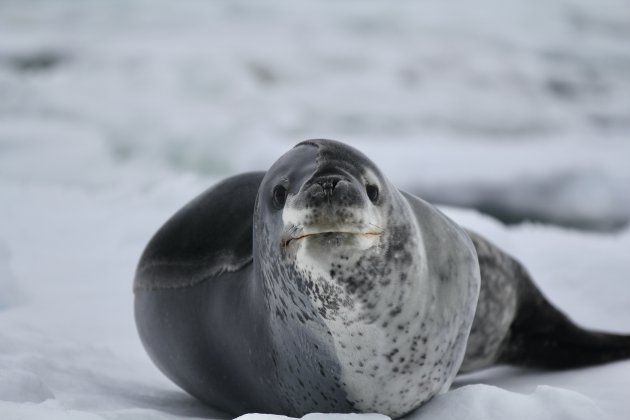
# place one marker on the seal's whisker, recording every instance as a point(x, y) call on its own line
point(377, 226)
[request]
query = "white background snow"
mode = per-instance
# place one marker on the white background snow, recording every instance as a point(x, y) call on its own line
point(113, 114)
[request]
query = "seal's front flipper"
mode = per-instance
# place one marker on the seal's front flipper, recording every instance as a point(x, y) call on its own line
point(209, 236)
point(515, 324)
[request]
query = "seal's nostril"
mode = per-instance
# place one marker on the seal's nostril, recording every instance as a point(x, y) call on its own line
point(328, 184)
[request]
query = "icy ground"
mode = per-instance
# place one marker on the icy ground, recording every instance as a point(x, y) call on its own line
point(115, 113)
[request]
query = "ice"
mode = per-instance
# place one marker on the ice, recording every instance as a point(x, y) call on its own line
point(115, 114)
point(485, 402)
point(316, 416)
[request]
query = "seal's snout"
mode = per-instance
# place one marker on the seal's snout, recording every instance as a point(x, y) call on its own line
point(332, 190)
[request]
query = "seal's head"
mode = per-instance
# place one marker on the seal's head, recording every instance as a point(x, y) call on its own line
point(333, 201)
point(334, 222)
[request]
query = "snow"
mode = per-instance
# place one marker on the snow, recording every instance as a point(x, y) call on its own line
point(114, 114)
point(316, 416)
point(492, 402)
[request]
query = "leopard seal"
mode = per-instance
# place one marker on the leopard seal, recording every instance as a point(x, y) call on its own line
point(319, 286)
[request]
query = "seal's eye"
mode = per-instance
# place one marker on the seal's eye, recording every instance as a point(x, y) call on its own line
point(279, 196)
point(372, 192)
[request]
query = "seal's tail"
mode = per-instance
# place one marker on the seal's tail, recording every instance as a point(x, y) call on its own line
point(542, 336)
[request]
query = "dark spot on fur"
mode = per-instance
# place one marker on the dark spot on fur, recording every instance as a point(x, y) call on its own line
point(396, 311)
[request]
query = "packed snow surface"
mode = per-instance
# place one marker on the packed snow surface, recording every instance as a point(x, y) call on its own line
point(113, 114)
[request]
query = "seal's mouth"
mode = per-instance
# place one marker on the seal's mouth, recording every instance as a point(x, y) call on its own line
point(329, 233)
